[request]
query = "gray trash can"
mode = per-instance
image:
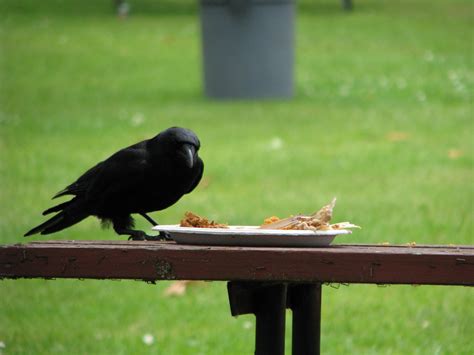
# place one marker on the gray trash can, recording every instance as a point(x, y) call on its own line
point(248, 48)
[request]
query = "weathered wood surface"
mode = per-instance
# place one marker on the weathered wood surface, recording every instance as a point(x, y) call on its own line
point(436, 265)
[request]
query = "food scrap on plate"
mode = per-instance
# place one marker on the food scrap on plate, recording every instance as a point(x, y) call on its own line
point(193, 220)
point(319, 220)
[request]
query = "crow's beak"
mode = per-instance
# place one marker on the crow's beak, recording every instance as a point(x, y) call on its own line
point(189, 152)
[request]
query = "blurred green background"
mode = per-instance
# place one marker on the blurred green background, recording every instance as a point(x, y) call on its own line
point(382, 119)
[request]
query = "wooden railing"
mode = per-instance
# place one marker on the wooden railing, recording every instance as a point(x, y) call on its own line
point(263, 281)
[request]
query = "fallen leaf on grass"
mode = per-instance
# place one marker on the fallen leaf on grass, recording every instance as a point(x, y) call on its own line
point(397, 136)
point(178, 288)
point(455, 153)
point(205, 182)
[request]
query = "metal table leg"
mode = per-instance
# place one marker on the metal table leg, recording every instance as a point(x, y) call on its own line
point(305, 302)
point(268, 302)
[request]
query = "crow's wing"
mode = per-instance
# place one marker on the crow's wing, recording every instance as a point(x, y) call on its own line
point(122, 170)
point(88, 179)
point(81, 185)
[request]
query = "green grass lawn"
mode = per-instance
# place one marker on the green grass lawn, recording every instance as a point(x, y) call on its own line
point(382, 119)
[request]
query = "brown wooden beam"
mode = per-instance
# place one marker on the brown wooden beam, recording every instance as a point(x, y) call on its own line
point(436, 265)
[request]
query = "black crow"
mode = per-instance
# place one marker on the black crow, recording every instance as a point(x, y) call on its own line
point(148, 176)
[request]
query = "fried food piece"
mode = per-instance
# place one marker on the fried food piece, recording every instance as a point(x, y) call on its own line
point(324, 215)
point(270, 220)
point(193, 220)
point(319, 220)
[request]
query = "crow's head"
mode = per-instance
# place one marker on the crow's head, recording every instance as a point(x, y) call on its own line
point(181, 143)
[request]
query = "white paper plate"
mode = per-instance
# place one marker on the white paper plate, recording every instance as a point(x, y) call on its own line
point(250, 236)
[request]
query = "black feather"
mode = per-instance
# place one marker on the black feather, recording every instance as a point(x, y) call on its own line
point(49, 223)
point(57, 208)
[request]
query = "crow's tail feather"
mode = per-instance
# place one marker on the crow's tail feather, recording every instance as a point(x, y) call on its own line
point(44, 226)
point(71, 212)
point(57, 208)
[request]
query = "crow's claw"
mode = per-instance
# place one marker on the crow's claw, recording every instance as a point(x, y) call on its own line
point(165, 236)
point(140, 235)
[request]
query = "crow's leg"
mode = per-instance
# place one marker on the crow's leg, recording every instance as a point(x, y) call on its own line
point(163, 235)
point(123, 226)
point(149, 219)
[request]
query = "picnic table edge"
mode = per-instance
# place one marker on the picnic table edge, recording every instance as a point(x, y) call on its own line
point(152, 261)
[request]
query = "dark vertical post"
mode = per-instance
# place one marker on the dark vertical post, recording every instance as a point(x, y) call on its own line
point(268, 302)
point(305, 302)
point(270, 312)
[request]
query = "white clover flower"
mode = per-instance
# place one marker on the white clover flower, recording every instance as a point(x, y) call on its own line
point(247, 325)
point(148, 339)
point(276, 143)
point(137, 119)
point(421, 96)
point(429, 56)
